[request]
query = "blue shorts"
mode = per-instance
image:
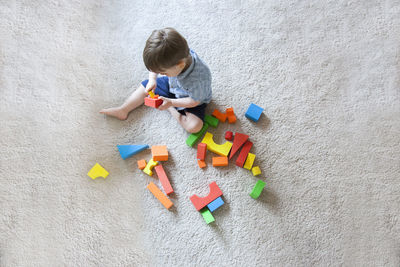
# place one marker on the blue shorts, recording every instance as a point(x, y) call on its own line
point(162, 89)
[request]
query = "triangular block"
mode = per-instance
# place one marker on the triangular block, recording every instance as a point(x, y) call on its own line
point(127, 151)
point(238, 141)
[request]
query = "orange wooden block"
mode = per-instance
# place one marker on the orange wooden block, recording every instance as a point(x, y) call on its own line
point(160, 195)
point(220, 161)
point(231, 115)
point(201, 163)
point(141, 164)
point(232, 119)
point(160, 153)
point(219, 115)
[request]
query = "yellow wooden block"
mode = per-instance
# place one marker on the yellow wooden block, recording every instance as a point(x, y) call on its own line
point(97, 171)
point(222, 150)
point(151, 94)
point(256, 171)
point(249, 161)
point(150, 165)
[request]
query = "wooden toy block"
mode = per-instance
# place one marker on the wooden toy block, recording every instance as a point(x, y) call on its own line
point(201, 151)
point(232, 119)
point(201, 163)
point(257, 189)
point(238, 141)
point(220, 161)
point(160, 195)
point(231, 115)
point(141, 164)
point(153, 102)
point(222, 150)
point(160, 153)
point(150, 165)
point(219, 115)
point(243, 154)
point(193, 138)
point(254, 112)
point(229, 135)
point(207, 216)
point(162, 176)
point(151, 94)
point(127, 151)
point(212, 121)
point(97, 171)
point(201, 202)
point(248, 164)
point(215, 204)
point(256, 170)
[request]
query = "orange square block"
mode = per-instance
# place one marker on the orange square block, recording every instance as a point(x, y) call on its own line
point(202, 163)
point(160, 153)
point(220, 161)
point(141, 164)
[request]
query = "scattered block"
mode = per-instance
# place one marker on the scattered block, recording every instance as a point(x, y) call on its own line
point(201, 202)
point(193, 138)
point(201, 151)
point(257, 189)
point(238, 141)
point(127, 151)
point(153, 102)
point(207, 216)
point(215, 204)
point(141, 164)
point(151, 94)
point(160, 196)
point(254, 112)
point(212, 121)
point(150, 165)
point(201, 163)
point(222, 150)
point(219, 115)
point(256, 170)
point(231, 115)
point(160, 153)
point(162, 176)
point(243, 154)
point(220, 161)
point(248, 164)
point(97, 171)
point(229, 135)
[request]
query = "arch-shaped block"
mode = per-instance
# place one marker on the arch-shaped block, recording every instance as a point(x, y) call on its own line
point(222, 150)
point(201, 202)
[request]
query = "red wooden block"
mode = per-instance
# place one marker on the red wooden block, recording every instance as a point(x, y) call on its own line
point(201, 151)
point(238, 141)
point(243, 154)
point(152, 102)
point(201, 202)
point(219, 115)
point(164, 179)
point(228, 135)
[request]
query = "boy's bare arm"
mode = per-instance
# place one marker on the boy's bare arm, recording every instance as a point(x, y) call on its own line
point(152, 76)
point(185, 102)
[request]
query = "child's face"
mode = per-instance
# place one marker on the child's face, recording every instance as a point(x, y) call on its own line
point(173, 71)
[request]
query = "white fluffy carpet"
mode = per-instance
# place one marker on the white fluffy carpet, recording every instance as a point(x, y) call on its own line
point(326, 72)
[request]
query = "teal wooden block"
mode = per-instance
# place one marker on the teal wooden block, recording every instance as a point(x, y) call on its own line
point(257, 189)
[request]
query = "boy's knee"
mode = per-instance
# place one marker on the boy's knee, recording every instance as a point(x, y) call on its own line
point(195, 127)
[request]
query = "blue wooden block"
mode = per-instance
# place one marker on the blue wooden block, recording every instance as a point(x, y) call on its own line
point(127, 151)
point(215, 204)
point(254, 112)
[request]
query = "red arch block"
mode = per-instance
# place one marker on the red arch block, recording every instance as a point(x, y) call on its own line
point(201, 202)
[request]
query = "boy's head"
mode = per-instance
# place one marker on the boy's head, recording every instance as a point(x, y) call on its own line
point(166, 52)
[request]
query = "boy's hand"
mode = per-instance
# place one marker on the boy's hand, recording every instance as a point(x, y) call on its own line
point(151, 85)
point(167, 102)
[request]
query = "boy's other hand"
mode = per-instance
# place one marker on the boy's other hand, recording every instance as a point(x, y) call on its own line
point(166, 103)
point(151, 85)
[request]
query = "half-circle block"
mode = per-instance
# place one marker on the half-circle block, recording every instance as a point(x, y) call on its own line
point(222, 150)
point(201, 202)
point(97, 171)
point(127, 151)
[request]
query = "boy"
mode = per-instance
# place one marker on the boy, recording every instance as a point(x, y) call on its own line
point(186, 87)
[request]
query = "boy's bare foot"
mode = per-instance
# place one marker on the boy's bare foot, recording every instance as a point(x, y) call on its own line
point(117, 112)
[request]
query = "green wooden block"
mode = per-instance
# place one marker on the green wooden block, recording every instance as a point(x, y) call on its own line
point(212, 121)
point(207, 215)
point(193, 138)
point(257, 189)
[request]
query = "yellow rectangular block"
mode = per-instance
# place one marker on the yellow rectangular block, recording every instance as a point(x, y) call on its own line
point(249, 161)
point(160, 195)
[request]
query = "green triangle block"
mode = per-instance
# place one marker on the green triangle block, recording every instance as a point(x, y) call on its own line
point(193, 138)
point(207, 215)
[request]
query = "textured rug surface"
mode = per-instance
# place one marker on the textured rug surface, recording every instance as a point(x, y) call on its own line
point(328, 144)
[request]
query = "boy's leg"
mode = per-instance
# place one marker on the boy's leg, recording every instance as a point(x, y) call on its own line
point(133, 101)
point(191, 122)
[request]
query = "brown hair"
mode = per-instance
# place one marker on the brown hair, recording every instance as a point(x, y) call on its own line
point(164, 49)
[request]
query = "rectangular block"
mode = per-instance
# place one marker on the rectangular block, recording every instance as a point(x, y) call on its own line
point(215, 204)
point(212, 121)
point(207, 216)
point(160, 195)
point(249, 161)
point(152, 102)
point(162, 176)
point(141, 164)
point(220, 161)
point(257, 189)
point(201, 151)
point(193, 138)
point(243, 154)
point(201, 163)
point(219, 115)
